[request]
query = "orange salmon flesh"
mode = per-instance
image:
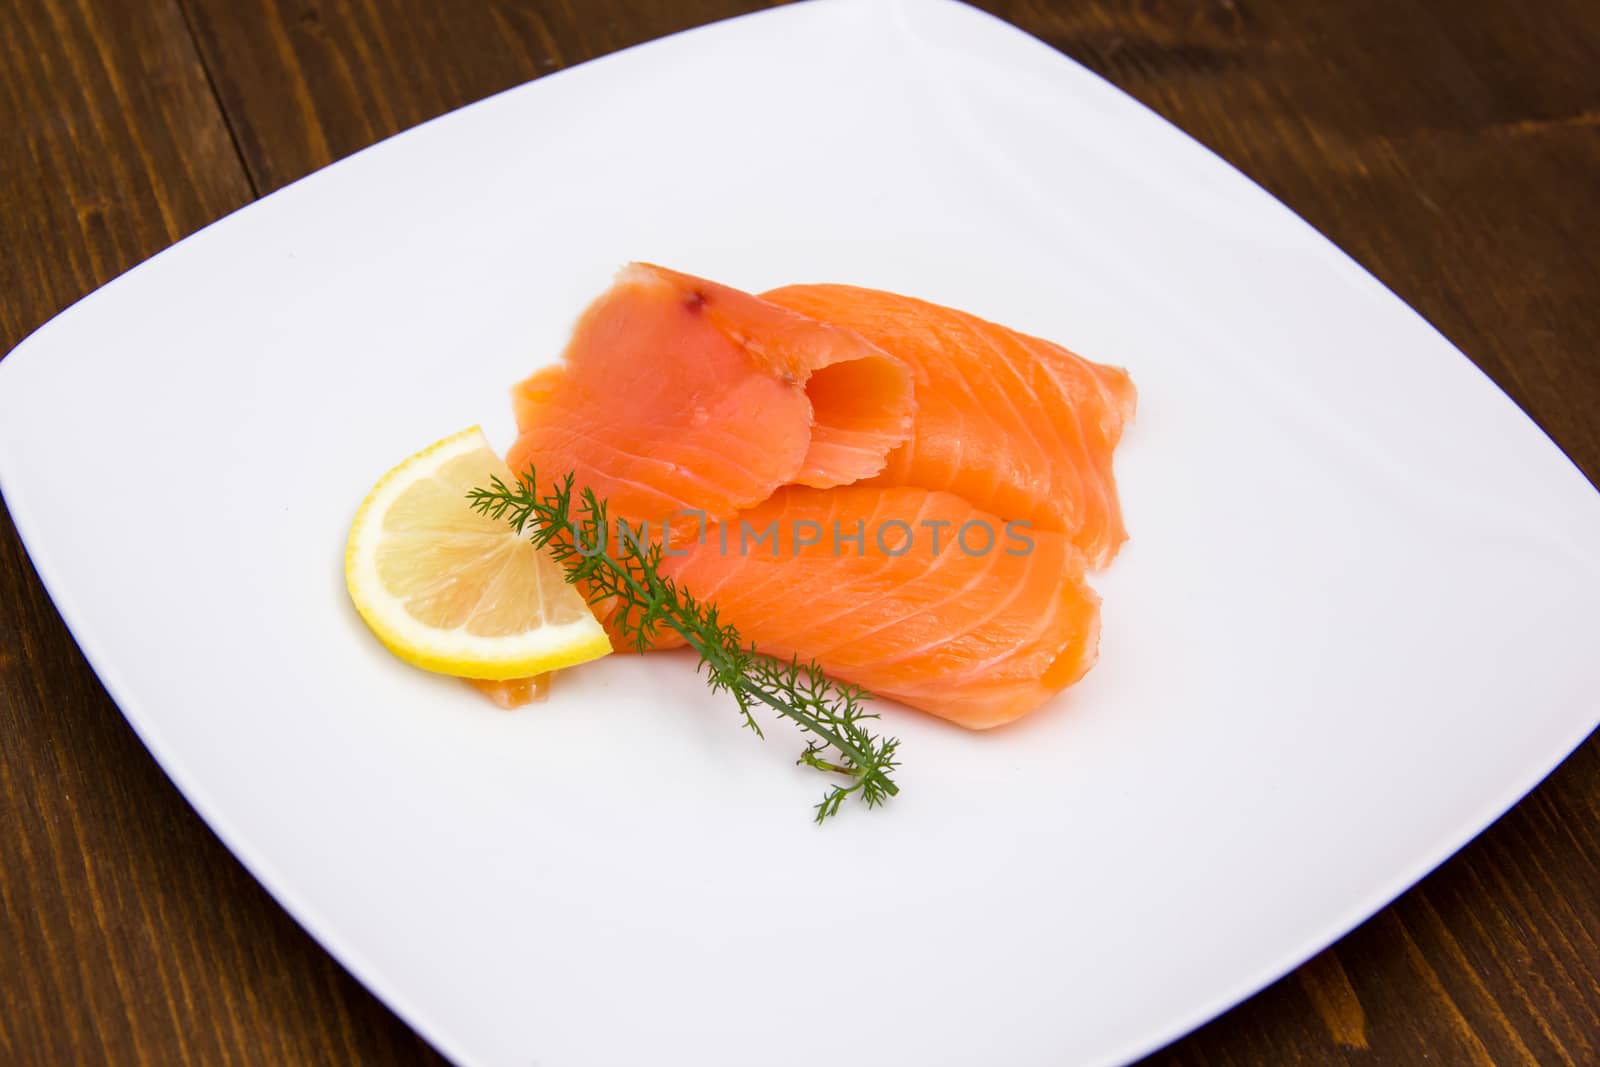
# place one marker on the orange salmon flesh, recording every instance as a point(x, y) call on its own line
point(835, 408)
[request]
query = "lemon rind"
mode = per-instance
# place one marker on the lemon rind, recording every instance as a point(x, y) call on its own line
point(455, 652)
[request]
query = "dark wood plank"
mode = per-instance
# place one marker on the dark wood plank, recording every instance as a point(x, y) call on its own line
point(114, 148)
point(1453, 150)
point(1450, 146)
point(128, 934)
point(314, 81)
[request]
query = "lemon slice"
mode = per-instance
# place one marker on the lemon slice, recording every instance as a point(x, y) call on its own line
point(452, 591)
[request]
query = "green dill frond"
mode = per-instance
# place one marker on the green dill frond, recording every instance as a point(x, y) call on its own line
point(573, 528)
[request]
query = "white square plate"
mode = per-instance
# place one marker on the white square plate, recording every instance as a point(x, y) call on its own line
point(1356, 621)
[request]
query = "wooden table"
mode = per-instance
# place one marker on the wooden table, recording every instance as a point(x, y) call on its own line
point(1452, 146)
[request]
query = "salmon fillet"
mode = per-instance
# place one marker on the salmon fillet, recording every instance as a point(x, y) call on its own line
point(676, 393)
point(830, 409)
point(1019, 426)
point(976, 637)
point(512, 693)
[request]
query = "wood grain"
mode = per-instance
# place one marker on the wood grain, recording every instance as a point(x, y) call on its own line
point(1452, 147)
point(319, 80)
point(128, 935)
point(114, 148)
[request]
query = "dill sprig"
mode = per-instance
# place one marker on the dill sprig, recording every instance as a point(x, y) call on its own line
point(572, 528)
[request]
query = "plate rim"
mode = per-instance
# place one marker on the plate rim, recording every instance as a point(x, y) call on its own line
point(1157, 1034)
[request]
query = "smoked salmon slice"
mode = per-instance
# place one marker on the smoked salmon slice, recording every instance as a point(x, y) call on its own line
point(978, 626)
point(905, 493)
point(676, 393)
point(1019, 426)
